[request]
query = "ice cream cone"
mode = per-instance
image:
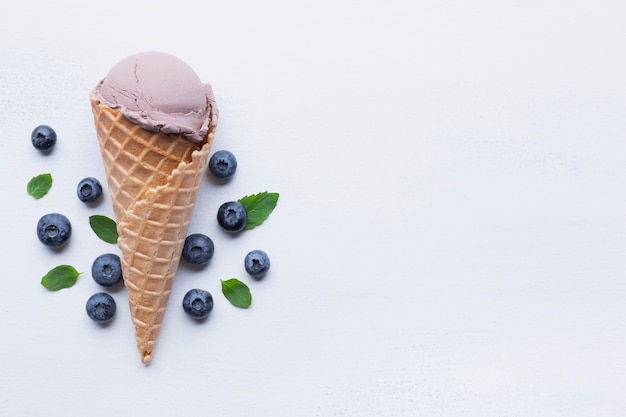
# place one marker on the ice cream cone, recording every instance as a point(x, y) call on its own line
point(153, 180)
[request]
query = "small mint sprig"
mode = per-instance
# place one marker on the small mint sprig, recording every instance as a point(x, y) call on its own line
point(237, 293)
point(258, 207)
point(104, 227)
point(39, 185)
point(59, 277)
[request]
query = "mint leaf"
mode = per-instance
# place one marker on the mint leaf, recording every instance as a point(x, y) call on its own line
point(237, 293)
point(258, 207)
point(39, 185)
point(104, 227)
point(62, 276)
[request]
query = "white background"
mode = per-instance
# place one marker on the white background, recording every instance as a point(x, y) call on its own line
point(449, 239)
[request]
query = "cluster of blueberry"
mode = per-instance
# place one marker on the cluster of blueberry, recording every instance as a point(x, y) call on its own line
point(199, 248)
point(55, 229)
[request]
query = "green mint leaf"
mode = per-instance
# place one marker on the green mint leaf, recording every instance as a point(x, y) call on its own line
point(104, 227)
point(62, 276)
point(237, 293)
point(258, 206)
point(39, 185)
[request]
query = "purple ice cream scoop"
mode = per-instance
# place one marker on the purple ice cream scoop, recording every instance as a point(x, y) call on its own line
point(160, 92)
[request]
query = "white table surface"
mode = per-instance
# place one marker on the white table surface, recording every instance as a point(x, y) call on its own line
point(449, 239)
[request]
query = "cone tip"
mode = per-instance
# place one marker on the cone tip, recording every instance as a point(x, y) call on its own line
point(146, 357)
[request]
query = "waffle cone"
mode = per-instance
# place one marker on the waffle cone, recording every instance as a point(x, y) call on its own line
point(153, 179)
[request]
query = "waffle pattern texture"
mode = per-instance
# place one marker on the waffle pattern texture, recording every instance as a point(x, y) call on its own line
point(153, 179)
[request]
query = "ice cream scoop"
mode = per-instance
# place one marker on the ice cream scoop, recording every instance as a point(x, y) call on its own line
point(159, 92)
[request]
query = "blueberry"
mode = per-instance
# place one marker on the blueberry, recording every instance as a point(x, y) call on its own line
point(54, 230)
point(101, 307)
point(198, 249)
point(257, 263)
point(198, 303)
point(106, 269)
point(89, 190)
point(43, 137)
point(222, 164)
point(232, 216)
